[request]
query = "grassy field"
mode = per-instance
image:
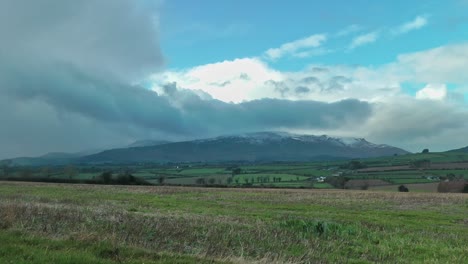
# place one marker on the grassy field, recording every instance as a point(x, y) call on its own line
point(60, 223)
point(291, 175)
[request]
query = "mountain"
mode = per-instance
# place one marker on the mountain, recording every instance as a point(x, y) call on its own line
point(52, 158)
point(147, 143)
point(464, 150)
point(47, 159)
point(63, 158)
point(263, 146)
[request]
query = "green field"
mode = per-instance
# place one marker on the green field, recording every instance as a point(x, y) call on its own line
point(405, 159)
point(280, 174)
point(61, 223)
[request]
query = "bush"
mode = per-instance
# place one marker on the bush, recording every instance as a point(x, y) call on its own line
point(403, 188)
point(354, 165)
point(337, 182)
point(465, 189)
point(106, 177)
point(200, 181)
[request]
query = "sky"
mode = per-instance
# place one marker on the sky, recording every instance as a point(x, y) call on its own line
point(95, 74)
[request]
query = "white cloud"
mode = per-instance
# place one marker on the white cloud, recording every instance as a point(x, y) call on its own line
point(364, 39)
point(349, 30)
point(432, 92)
point(248, 78)
point(229, 81)
point(291, 48)
point(446, 64)
point(417, 23)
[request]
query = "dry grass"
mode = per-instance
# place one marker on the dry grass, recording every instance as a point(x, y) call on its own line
point(243, 225)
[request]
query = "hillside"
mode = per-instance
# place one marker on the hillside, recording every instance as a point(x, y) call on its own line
point(264, 146)
point(463, 150)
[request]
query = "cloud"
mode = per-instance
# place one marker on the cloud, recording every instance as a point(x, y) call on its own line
point(242, 79)
point(66, 70)
point(417, 124)
point(302, 90)
point(207, 117)
point(393, 108)
point(299, 48)
point(69, 74)
point(117, 39)
point(364, 39)
point(417, 23)
point(443, 64)
point(432, 92)
point(349, 30)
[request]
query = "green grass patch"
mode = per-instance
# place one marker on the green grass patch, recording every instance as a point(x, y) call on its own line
point(21, 248)
point(108, 224)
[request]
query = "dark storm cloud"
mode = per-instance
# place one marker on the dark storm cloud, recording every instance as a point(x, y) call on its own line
point(68, 64)
point(67, 74)
point(115, 37)
point(417, 124)
point(213, 117)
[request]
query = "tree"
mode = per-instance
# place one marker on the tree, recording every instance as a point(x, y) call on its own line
point(337, 181)
point(403, 188)
point(353, 165)
point(200, 181)
point(365, 186)
point(212, 181)
point(161, 179)
point(126, 178)
point(106, 177)
point(425, 151)
point(229, 180)
point(465, 188)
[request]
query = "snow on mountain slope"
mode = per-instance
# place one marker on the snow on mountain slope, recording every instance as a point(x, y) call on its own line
point(267, 137)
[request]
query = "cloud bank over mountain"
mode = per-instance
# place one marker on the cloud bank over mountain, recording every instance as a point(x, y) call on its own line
point(91, 74)
point(69, 74)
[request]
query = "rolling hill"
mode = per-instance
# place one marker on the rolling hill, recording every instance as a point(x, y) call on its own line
point(252, 147)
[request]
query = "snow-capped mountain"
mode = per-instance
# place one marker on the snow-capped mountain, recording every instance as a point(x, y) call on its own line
point(262, 146)
point(268, 137)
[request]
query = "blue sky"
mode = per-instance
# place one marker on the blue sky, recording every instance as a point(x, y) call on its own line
point(297, 35)
point(225, 30)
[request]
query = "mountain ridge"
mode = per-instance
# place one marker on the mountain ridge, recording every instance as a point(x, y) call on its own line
point(258, 146)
